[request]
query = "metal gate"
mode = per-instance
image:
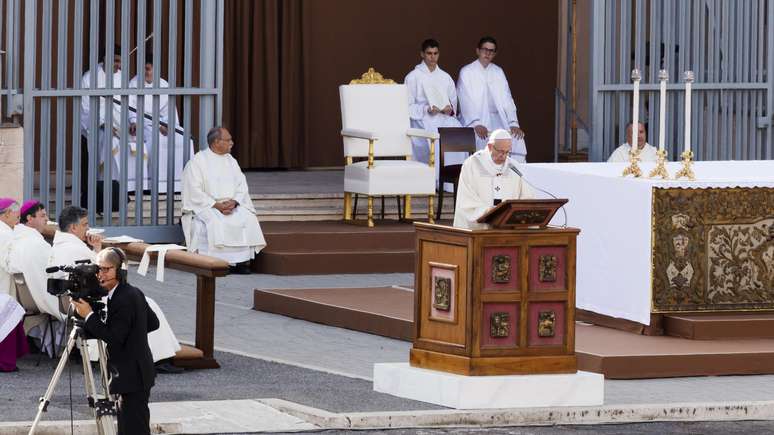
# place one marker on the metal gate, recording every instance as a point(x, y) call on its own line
point(727, 44)
point(78, 147)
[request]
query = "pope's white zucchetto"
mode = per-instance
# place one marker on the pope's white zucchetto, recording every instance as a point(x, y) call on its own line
point(499, 134)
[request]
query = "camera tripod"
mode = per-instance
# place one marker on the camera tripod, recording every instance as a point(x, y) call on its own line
point(104, 408)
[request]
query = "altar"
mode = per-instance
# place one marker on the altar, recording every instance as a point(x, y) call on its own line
point(663, 246)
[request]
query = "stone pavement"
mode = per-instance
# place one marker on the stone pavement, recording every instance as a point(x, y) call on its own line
point(282, 374)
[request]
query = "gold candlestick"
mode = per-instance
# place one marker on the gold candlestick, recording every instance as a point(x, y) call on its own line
point(633, 169)
point(660, 169)
point(686, 171)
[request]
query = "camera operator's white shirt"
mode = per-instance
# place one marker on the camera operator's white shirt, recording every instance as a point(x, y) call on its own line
point(68, 249)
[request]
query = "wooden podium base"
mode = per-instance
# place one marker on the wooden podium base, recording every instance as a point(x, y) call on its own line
point(488, 366)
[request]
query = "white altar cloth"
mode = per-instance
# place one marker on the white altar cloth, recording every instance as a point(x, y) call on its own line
point(614, 215)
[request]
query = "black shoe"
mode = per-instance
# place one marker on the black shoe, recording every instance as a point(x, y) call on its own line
point(242, 268)
point(164, 366)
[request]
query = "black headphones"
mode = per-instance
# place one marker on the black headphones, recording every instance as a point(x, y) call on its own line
point(121, 272)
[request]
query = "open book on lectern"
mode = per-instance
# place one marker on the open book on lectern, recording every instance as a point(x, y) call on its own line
point(522, 213)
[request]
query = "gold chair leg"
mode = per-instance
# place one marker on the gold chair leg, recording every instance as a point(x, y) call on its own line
point(407, 207)
point(430, 214)
point(370, 211)
point(347, 206)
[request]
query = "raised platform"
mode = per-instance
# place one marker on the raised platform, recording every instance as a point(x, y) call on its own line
point(614, 353)
point(331, 247)
point(719, 326)
point(489, 392)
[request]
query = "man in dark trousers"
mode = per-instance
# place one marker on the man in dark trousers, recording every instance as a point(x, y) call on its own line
point(129, 319)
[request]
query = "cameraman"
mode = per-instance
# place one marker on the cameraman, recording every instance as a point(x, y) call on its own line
point(70, 245)
point(129, 320)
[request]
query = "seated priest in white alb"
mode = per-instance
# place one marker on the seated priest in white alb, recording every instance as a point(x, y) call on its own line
point(218, 215)
point(70, 246)
point(28, 255)
point(165, 131)
point(486, 180)
point(486, 103)
point(432, 104)
point(647, 151)
point(9, 217)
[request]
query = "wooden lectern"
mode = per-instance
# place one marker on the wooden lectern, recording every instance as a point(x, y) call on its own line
point(499, 301)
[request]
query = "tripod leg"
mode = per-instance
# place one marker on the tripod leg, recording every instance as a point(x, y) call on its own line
point(103, 408)
point(44, 401)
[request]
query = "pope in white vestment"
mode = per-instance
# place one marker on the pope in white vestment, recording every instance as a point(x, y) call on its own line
point(432, 104)
point(485, 180)
point(111, 131)
point(218, 215)
point(69, 248)
point(165, 132)
point(647, 151)
point(486, 102)
point(9, 217)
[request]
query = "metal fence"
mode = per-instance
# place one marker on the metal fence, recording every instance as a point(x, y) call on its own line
point(78, 144)
point(728, 45)
point(10, 101)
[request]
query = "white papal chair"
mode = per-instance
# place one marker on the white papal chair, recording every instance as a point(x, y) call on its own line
point(375, 123)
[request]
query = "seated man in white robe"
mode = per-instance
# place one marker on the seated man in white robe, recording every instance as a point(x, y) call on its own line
point(218, 215)
point(647, 151)
point(486, 103)
point(9, 217)
point(113, 131)
point(70, 246)
point(486, 180)
point(28, 255)
point(165, 132)
point(432, 104)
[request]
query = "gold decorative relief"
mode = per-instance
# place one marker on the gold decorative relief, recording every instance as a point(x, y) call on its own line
point(442, 293)
point(713, 249)
point(371, 77)
point(501, 269)
point(546, 323)
point(547, 268)
point(499, 325)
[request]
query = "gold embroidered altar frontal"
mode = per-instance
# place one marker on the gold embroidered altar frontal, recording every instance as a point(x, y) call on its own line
point(713, 249)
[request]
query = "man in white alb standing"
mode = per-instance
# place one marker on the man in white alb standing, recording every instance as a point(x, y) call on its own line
point(432, 104)
point(486, 103)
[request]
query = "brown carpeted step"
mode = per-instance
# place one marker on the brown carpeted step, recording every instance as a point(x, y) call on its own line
point(334, 262)
point(720, 325)
point(385, 311)
point(337, 235)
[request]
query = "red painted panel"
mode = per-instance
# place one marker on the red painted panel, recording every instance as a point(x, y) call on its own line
point(535, 252)
point(513, 284)
point(559, 324)
point(512, 308)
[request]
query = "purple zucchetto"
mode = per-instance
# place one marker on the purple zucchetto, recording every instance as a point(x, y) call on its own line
point(28, 204)
point(6, 203)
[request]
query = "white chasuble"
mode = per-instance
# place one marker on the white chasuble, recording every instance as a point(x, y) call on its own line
point(208, 178)
point(621, 154)
point(68, 249)
point(481, 183)
point(426, 89)
point(485, 99)
point(29, 255)
point(11, 313)
point(6, 281)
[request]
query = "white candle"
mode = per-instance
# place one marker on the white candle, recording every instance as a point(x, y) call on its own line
point(635, 111)
point(688, 76)
point(663, 75)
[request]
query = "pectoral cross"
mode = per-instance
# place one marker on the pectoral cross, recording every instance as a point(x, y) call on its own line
point(497, 188)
